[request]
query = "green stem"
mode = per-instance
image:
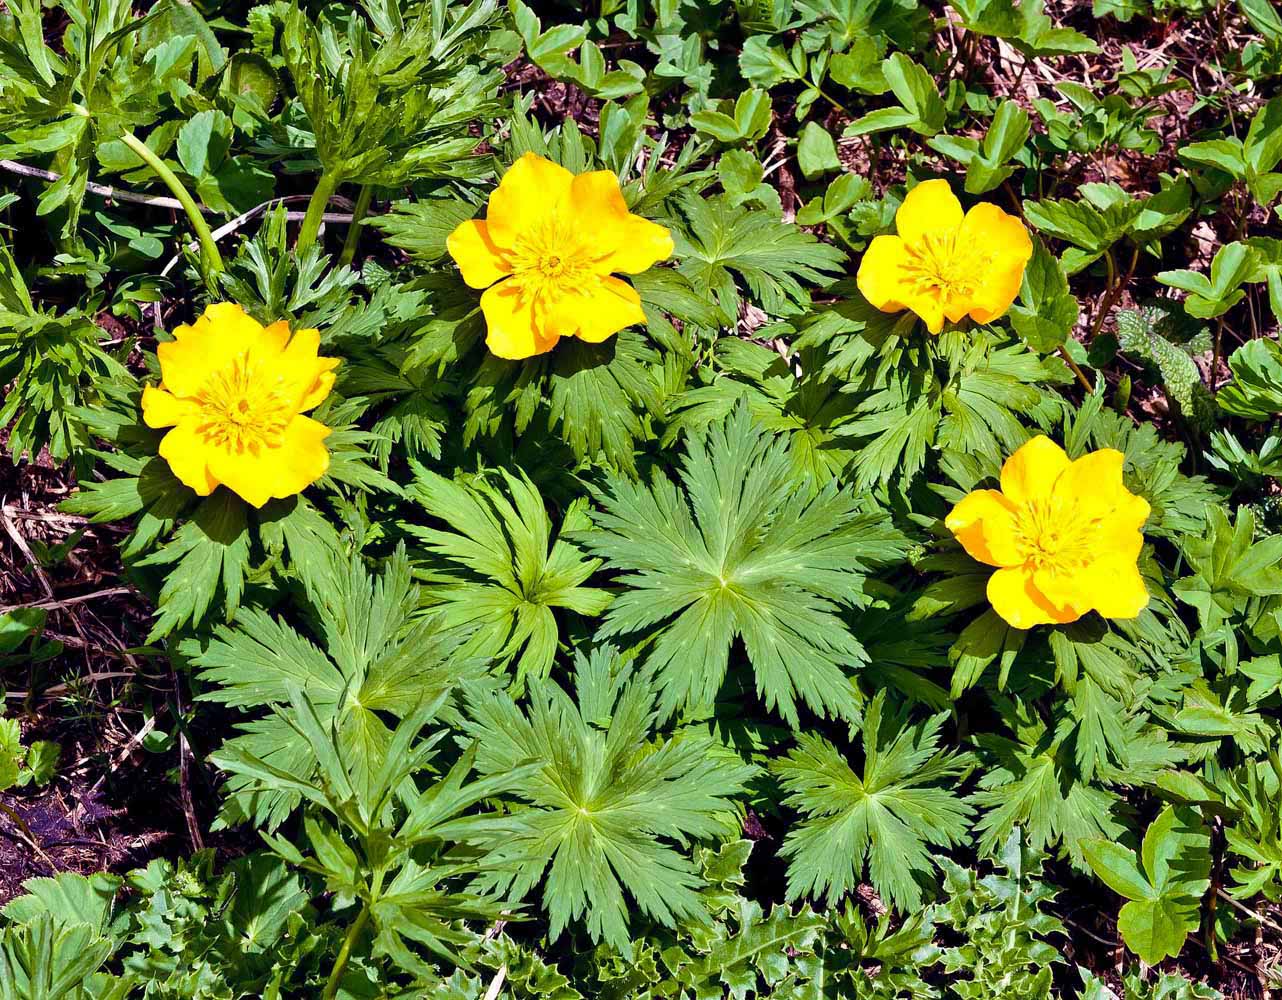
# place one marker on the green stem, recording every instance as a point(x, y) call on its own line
point(325, 188)
point(345, 953)
point(211, 259)
point(354, 231)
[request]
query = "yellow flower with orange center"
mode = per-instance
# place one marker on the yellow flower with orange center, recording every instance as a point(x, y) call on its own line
point(1065, 536)
point(946, 264)
point(234, 393)
point(547, 252)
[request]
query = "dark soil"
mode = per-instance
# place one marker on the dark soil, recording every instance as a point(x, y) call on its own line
point(118, 798)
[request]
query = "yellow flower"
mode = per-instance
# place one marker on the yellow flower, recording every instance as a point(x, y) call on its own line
point(234, 393)
point(546, 254)
point(1065, 536)
point(943, 264)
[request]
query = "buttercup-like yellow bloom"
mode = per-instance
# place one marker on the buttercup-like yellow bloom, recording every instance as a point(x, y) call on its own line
point(946, 264)
point(547, 253)
point(234, 393)
point(1064, 535)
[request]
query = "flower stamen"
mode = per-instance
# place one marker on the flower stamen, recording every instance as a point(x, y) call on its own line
point(242, 408)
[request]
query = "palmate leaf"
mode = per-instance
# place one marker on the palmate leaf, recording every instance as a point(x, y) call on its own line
point(1163, 883)
point(46, 960)
point(1032, 782)
point(608, 803)
point(596, 396)
point(379, 656)
point(887, 818)
point(498, 570)
point(742, 548)
point(771, 257)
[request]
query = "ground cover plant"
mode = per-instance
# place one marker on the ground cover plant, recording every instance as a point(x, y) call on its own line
point(640, 498)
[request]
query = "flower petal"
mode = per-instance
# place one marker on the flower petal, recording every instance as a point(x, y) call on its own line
point(624, 242)
point(309, 375)
point(1000, 289)
point(1067, 593)
point(644, 244)
point(187, 455)
point(1031, 472)
point(1116, 586)
point(1092, 483)
point(1004, 236)
point(930, 309)
point(605, 310)
point(513, 328)
point(163, 409)
point(997, 232)
point(480, 261)
point(984, 523)
point(880, 275)
point(531, 190)
point(930, 207)
point(1018, 602)
point(263, 474)
point(222, 333)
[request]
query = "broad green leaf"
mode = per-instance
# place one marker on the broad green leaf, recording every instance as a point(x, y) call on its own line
point(1047, 311)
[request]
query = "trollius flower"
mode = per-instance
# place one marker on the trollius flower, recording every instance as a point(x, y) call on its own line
point(547, 253)
point(234, 393)
point(1065, 536)
point(943, 264)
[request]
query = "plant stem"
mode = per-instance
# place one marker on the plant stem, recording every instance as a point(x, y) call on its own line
point(1081, 375)
point(834, 102)
point(345, 953)
point(211, 259)
point(1215, 355)
point(310, 229)
point(354, 231)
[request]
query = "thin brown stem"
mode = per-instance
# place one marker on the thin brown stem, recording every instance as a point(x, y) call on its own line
point(1215, 355)
point(1081, 375)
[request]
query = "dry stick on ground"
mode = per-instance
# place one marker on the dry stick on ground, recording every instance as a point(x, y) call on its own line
point(11, 530)
point(100, 675)
point(184, 752)
point(226, 229)
point(25, 835)
point(102, 190)
point(135, 740)
point(54, 604)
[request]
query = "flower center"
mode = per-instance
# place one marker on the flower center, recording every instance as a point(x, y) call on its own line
point(1053, 536)
point(550, 261)
point(243, 409)
point(942, 264)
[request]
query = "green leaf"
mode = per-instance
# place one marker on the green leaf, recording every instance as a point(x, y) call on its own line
point(816, 151)
point(203, 141)
point(772, 258)
point(767, 65)
point(1229, 566)
point(922, 110)
point(1233, 264)
point(1164, 896)
point(1155, 929)
point(1046, 312)
point(19, 625)
point(1256, 389)
point(1140, 334)
point(207, 555)
point(1117, 868)
point(380, 658)
point(1223, 154)
point(740, 548)
point(605, 805)
point(888, 817)
point(499, 569)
